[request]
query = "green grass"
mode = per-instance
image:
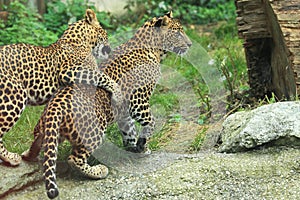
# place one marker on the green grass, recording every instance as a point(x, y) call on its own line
point(113, 135)
point(160, 138)
point(167, 100)
point(20, 137)
point(196, 144)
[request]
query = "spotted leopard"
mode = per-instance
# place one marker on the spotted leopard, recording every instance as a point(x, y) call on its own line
point(30, 75)
point(81, 113)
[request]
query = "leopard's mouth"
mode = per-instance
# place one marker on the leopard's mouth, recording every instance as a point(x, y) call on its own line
point(106, 50)
point(180, 50)
point(102, 52)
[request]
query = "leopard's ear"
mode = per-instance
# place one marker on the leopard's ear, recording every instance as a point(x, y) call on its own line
point(91, 18)
point(158, 23)
point(165, 20)
point(162, 21)
point(170, 14)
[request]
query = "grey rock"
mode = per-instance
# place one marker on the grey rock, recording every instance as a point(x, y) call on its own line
point(273, 124)
point(16, 178)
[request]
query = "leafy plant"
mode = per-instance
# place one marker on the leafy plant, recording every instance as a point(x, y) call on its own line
point(24, 26)
point(19, 138)
point(60, 14)
point(168, 100)
point(228, 55)
point(196, 144)
point(113, 134)
point(268, 100)
point(160, 138)
point(190, 12)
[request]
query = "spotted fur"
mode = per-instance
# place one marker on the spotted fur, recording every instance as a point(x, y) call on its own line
point(30, 75)
point(81, 113)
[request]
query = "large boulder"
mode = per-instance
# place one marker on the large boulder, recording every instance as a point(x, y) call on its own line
point(273, 124)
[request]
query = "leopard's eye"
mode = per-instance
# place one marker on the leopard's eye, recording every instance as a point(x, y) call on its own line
point(179, 35)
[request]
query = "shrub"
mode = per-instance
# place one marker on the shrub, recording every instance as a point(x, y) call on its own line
point(24, 26)
point(190, 12)
point(60, 14)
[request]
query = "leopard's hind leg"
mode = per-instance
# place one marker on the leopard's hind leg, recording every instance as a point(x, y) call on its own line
point(85, 138)
point(78, 160)
point(12, 103)
point(127, 127)
point(32, 153)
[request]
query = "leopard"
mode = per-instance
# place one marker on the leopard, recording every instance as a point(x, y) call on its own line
point(30, 75)
point(81, 113)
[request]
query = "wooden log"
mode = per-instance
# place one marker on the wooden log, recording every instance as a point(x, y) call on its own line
point(271, 30)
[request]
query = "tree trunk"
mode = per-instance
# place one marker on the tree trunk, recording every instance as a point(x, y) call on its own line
point(271, 30)
point(40, 5)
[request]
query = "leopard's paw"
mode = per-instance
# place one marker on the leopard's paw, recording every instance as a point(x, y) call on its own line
point(95, 172)
point(12, 159)
point(98, 172)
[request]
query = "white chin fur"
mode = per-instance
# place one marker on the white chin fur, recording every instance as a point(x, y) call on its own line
point(104, 56)
point(97, 52)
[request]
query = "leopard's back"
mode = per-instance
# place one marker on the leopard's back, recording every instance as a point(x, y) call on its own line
point(30, 75)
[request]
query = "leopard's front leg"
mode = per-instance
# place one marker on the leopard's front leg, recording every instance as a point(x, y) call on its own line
point(142, 114)
point(97, 78)
point(127, 127)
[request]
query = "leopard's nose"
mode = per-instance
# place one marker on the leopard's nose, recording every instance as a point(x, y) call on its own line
point(106, 50)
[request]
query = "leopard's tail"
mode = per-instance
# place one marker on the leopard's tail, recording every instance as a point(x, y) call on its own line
point(50, 153)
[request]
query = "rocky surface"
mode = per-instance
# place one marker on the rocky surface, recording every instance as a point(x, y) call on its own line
point(268, 172)
point(271, 173)
point(17, 178)
point(273, 124)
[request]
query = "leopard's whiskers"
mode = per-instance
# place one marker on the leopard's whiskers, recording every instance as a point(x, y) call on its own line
point(176, 59)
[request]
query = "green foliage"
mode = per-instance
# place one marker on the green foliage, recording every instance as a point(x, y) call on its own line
point(167, 100)
point(196, 144)
point(190, 12)
point(176, 118)
point(159, 139)
point(113, 134)
point(268, 100)
point(56, 18)
point(60, 14)
point(27, 26)
point(20, 137)
point(24, 26)
point(228, 54)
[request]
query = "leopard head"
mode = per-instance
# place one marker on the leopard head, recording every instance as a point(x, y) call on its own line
point(87, 35)
point(100, 40)
point(173, 36)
